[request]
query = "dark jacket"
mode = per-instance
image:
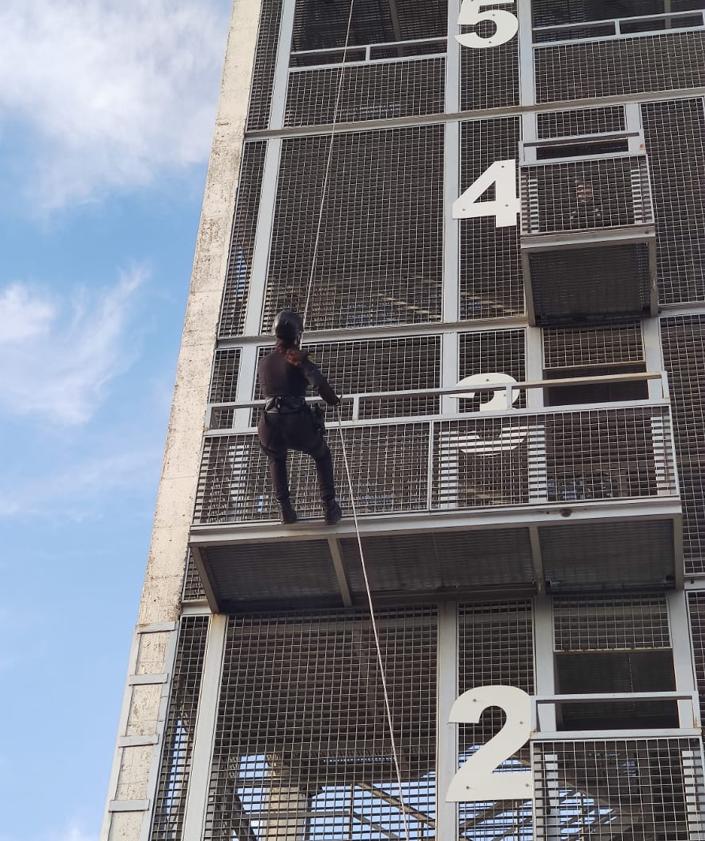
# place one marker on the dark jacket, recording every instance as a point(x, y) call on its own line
point(280, 378)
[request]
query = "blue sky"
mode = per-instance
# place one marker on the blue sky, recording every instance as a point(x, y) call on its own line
point(106, 115)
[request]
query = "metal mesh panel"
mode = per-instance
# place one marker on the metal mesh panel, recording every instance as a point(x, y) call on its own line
point(179, 732)
point(302, 747)
point(584, 195)
point(265, 59)
point(242, 246)
point(561, 457)
point(683, 341)
point(389, 467)
point(476, 462)
point(600, 556)
point(490, 273)
point(678, 175)
point(324, 25)
point(495, 646)
point(649, 789)
point(621, 66)
point(590, 346)
point(193, 588)
point(369, 92)
point(436, 562)
point(611, 624)
point(380, 252)
point(580, 121)
point(602, 282)
point(407, 363)
point(226, 366)
point(696, 608)
point(491, 352)
point(489, 78)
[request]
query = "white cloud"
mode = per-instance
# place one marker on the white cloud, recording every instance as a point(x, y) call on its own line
point(57, 358)
point(115, 91)
point(79, 494)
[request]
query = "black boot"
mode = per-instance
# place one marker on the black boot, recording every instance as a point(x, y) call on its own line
point(288, 514)
point(333, 512)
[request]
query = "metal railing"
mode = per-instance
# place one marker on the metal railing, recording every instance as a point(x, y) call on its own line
point(688, 711)
point(493, 458)
point(593, 193)
point(326, 57)
point(611, 28)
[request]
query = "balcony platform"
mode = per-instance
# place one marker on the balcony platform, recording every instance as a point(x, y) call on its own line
point(632, 545)
point(565, 499)
point(588, 260)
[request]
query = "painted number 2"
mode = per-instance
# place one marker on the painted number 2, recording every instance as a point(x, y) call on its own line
point(477, 780)
point(473, 12)
point(505, 205)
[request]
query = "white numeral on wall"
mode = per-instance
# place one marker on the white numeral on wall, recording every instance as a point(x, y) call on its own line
point(473, 12)
point(505, 205)
point(477, 780)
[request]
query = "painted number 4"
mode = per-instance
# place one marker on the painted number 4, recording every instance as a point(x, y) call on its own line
point(478, 779)
point(505, 205)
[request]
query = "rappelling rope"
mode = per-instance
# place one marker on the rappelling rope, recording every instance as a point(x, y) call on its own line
point(387, 704)
point(363, 564)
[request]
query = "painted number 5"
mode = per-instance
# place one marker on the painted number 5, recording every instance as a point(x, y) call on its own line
point(473, 12)
point(477, 780)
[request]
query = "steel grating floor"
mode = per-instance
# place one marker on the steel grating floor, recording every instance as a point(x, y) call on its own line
point(324, 570)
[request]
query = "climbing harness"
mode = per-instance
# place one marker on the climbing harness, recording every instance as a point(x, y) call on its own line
point(309, 289)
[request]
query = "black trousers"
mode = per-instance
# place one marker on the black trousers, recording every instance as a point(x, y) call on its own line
point(279, 433)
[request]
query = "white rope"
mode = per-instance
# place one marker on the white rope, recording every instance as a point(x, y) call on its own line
point(314, 260)
point(375, 632)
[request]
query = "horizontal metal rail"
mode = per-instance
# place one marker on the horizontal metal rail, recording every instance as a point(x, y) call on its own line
point(461, 392)
point(618, 25)
point(689, 698)
point(477, 460)
point(597, 697)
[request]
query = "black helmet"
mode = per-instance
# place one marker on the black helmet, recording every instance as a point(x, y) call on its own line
point(288, 326)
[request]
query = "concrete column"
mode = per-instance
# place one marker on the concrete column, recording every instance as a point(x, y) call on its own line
point(131, 790)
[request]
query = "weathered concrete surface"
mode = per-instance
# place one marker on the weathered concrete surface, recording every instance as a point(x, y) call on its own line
point(135, 767)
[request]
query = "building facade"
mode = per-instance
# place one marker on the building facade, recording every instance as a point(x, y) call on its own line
point(498, 212)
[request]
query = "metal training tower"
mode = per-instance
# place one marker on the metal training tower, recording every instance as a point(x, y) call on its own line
point(496, 212)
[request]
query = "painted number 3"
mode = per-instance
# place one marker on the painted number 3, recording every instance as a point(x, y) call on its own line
point(478, 779)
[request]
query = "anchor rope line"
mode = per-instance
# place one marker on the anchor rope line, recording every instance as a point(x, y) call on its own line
point(375, 631)
point(363, 564)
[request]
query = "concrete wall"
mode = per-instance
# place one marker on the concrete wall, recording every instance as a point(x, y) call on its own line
point(131, 788)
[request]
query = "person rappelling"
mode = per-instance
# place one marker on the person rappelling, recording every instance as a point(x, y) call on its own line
point(288, 422)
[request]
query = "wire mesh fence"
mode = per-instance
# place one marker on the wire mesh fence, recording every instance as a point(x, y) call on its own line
point(369, 91)
point(611, 624)
point(619, 788)
point(683, 340)
point(582, 347)
point(490, 271)
point(179, 732)
point(263, 70)
point(619, 66)
point(302, 747)
point(380, 253)
point(580, 121)
point(468, 462)
point(609, 192)
point(678, 175)
point(242, 246)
